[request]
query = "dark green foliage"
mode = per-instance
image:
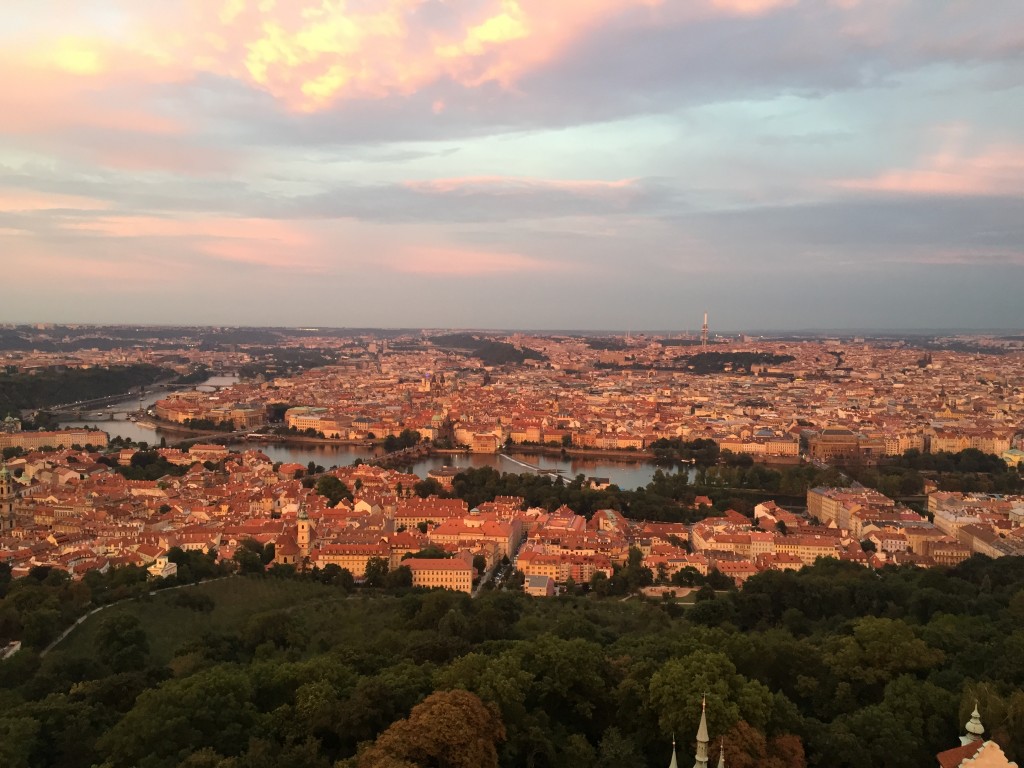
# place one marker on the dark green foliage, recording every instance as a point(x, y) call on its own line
point(668, 497)
point(428, 487)
point(489, 351)
point(333, 489)
point(55, 387)
point(283, 361)
point(407, 439)
point(852, 668)
point(700, 451)
point(716, 362)
point(197, 375)
point(150, 465)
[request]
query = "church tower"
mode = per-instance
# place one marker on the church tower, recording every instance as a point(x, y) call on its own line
point(974, 728)
point(702, 737)
point(303, 536)
point(973, 750)
point(703, 742)
point(7, 496)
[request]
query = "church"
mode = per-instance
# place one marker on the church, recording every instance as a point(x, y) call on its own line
point(8, 496)
point(703, 741)
point(973, 751)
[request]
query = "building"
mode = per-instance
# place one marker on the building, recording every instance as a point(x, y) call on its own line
point(61, 438)
point(973, 752)
point(539, 586)
point(454, 573)
point(351, 557)
point(162, 567)
point(703, 742)
point(840, 443)
point(7, 498)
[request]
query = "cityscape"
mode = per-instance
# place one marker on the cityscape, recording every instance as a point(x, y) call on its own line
point(489, 463)
point(512, 384)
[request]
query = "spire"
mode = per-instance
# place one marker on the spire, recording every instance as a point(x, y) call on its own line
point(974, 727)
point(702, 736)
point(674, 763)
point(721, 755)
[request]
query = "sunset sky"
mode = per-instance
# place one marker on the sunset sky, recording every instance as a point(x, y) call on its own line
point(573, 164)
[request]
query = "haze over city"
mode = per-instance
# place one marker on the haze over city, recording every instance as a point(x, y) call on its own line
point(514, 163)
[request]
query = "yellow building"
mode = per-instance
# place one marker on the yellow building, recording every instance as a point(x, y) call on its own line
point(455, 574)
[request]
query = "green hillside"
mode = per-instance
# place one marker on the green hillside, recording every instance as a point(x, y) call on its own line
point(836, 665)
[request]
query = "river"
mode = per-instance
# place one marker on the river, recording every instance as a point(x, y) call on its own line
point(625, 474)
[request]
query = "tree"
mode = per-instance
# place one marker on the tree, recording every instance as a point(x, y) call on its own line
point(879, 650)
point(336, 575)
point(210, 709)
point(454, 729)
point(599, 584)
point(18, 737)
point(731, 696)
point(122, 643)
point(248, 559)
point(747, 747)
point(399, 578)
point(376, 571)
point(428, 487)
point(333, 489)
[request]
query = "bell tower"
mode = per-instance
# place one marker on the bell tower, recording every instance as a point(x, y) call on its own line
point(303, 531)
point(7, 497)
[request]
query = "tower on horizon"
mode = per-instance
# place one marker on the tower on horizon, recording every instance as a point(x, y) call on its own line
point(704, 334)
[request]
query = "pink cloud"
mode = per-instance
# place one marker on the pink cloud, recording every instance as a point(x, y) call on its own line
point(751, 7)
point(457, 262)
point(998, 170)
point(498, 184)
point(256, 242)
point(312, 53)
point(20, 201)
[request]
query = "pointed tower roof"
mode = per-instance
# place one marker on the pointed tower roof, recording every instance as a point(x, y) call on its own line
point(702, 729)
point(721, 755)
point(701, 760)
point(973, 727)
point(674, 763)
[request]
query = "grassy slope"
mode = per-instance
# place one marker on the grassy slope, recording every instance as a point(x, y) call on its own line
point(169, 626)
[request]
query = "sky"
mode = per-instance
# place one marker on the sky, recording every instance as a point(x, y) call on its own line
point(570, 164)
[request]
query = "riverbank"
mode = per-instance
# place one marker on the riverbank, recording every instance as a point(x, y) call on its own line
point(582, 453)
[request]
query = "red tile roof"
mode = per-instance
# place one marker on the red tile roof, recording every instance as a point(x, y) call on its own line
point(952, 758)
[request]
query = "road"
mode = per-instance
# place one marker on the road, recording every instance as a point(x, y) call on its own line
point(81, 619)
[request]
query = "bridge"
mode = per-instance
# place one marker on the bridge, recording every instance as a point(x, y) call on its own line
point(218, 438)
point(552, 473)
point(402, 457)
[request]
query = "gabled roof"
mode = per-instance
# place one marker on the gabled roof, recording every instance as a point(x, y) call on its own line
point(952, 758)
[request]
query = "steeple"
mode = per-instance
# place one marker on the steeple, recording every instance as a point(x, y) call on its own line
point(721, 755)
point(303, 532)
point(702, 736)
point(973, 727)
point(7, 496)
point(674, 763)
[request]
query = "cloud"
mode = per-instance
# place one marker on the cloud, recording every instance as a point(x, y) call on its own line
point(252, 242)
point(20, 201)
point(473, 199)
point(454, 262)
point(953, 170)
